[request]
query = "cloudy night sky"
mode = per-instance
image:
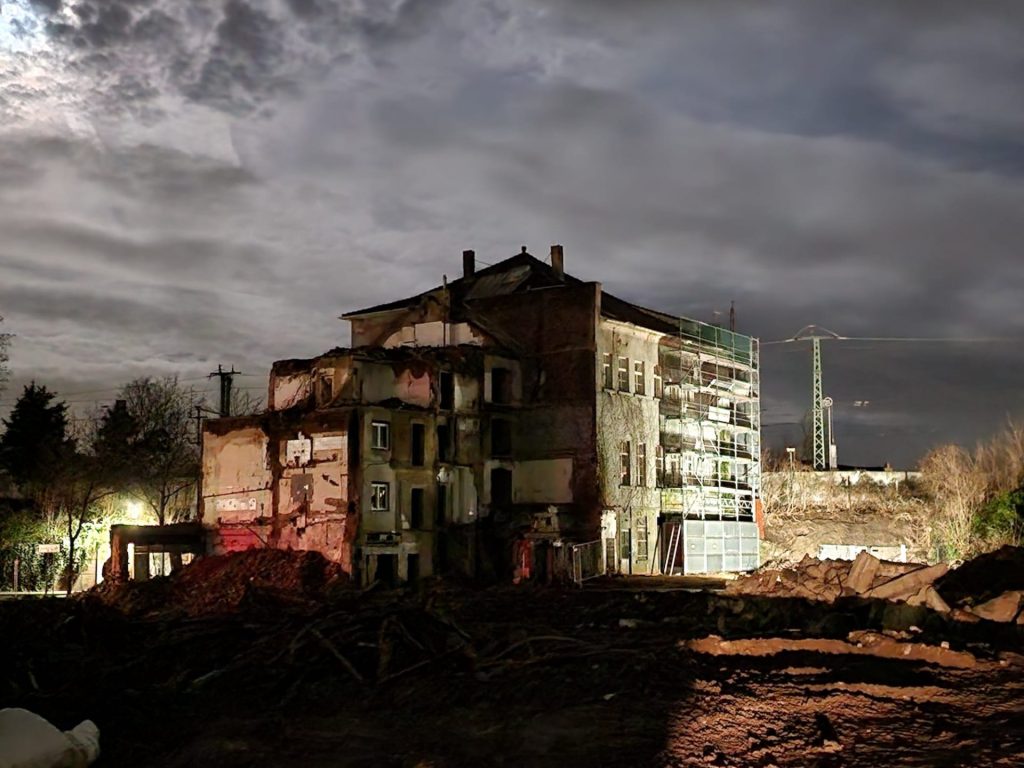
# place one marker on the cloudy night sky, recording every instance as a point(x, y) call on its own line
point(191, 182)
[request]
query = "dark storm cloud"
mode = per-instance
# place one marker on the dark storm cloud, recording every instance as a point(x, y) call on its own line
point(250, 169)
point(234, 56)
point(243, 65)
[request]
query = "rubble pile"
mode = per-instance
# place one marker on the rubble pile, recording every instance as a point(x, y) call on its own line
point(221, 583)
point(985, 577)
point(989, 587)
point(264, 674)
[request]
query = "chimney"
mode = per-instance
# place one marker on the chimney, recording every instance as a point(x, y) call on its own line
point(558, 261)
point(468, 263)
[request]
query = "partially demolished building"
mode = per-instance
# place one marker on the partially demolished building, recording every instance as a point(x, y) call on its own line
point(514, 423)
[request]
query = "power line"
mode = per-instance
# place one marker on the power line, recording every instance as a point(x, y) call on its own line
point(904, 339)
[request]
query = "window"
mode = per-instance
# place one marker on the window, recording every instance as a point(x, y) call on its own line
point(501, 386)
point(381, 433)
point(380, 497)
point(657, 381)
point(446, 383)
point(441, 511)
point(444, 443)
point(641, 538)
point(501, 437)
point(416, 508)
point(624, 463)
point(639, 380)
point(417, 444)
point(501, 487)
point(641, 465)
point(606, 370)
point(673, 470)
point(624, 374)
point(659, 465)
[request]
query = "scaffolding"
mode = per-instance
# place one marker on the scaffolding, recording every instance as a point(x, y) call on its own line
point(709, 468)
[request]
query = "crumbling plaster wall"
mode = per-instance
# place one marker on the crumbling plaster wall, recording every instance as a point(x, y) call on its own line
point(282, 483)
point(237, 481)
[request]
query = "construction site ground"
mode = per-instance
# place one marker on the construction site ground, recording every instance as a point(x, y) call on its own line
point(609, 675)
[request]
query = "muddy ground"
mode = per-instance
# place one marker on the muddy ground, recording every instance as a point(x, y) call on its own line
point(611, 675)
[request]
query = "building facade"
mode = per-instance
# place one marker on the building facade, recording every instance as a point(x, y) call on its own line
point(492, 425)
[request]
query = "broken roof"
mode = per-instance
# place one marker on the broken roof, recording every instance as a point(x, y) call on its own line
point(518, 273)
point(524, 272)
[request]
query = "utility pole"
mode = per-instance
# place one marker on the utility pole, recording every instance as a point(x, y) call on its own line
point(817, 407)
point(226, 379)
point(815, 334)
point(199, 424)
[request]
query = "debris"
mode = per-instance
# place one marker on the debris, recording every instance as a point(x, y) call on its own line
point(862, 572)
point(861, 643)
point(908, 584)
point(219, 584)
point(1003, 608)
point(986, 576)
point(927, 596)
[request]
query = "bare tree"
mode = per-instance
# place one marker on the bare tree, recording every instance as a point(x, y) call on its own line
point(5, 371)
point(79, 485)
point(164, 458)
point(244, 404)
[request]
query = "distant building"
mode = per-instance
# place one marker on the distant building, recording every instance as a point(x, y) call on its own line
point(514, 423)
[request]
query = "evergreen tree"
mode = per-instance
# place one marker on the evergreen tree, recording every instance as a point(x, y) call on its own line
point(35, 441)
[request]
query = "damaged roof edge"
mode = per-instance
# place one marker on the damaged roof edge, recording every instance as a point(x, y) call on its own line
point(483, 284)
point(369, 352)
point(289, 418)
point(465, 284)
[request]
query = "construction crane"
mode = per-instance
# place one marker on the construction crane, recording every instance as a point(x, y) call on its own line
point(824, 454)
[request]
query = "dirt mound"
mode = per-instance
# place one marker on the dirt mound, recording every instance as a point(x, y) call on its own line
point(220, 584)
point(985, 577)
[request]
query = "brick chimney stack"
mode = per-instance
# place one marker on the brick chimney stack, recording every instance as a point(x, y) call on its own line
point(468, 263)
point(558, 261)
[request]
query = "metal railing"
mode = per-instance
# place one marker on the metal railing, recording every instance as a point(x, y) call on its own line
point(587, 560)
